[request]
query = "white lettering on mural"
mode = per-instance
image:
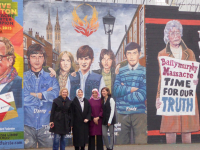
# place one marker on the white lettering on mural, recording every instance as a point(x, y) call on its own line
point(131, 108)
point(40, 111)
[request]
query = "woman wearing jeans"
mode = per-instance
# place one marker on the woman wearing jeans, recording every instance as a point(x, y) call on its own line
point(60, 119)
point(109, 119)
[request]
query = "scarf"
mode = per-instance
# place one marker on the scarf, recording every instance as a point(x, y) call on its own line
point(98, 95)
point(9, 76)
point(79, 98)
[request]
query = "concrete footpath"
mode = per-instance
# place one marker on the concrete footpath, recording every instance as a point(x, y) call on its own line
point(145, 147)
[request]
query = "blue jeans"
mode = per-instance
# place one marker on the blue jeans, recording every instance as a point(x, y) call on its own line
point(34, 138)
point(59, 138)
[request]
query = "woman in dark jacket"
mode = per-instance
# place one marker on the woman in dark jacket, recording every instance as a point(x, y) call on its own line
point(108, 119)
point(81, 114)
point(60, 119)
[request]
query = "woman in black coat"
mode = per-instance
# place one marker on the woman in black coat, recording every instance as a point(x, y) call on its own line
point(60, 119)
point(81, 114)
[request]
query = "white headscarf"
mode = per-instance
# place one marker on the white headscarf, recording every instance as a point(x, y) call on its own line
point(98, 95)
point(79, 98)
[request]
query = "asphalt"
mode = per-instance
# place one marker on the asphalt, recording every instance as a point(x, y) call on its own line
point(144, 147)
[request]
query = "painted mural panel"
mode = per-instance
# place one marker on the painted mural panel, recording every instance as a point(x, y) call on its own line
point(176, 38)
point(68, 45)
point(11, 73)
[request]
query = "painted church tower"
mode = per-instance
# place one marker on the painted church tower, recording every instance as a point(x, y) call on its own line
point(49, 30)
point(57, 35)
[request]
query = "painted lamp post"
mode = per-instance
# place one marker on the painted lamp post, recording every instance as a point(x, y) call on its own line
point(108, 22)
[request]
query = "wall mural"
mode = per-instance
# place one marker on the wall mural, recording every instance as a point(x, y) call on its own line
point(148, 60)
point(81, 58)
point(11, 73)
point(173, 66)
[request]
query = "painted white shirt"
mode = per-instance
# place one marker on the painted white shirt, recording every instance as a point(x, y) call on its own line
point(133, 68)
point(177, 52)
point(2, 86)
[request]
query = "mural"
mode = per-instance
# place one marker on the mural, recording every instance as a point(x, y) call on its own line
point(11, 73)
point(81, 58)
point(174, 63)
point(149, 61)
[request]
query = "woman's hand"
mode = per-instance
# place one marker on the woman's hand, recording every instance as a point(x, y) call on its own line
point(96, 120)
point(108, 124)
point(51, 124)
point(158, 103)
point(86, 120)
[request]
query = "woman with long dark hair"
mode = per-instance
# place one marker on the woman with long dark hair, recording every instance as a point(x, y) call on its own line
point(60, 119)
point(81, 114)
point(109, 119)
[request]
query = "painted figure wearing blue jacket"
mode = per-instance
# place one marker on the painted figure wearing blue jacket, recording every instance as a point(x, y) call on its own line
point(37, 111)
point(40, 89)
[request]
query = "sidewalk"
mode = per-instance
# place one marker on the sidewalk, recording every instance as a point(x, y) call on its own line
point(144, 147)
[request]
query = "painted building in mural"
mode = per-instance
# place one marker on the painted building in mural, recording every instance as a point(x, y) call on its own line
point(151, 104)
point(135, 33)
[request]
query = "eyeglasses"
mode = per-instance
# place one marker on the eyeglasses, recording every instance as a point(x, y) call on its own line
point(172, 34)
point(2, 56)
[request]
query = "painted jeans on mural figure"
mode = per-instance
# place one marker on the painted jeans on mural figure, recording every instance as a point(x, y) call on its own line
point(59, 138)
point(33, 137)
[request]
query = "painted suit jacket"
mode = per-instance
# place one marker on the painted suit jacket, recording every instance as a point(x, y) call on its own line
point(15, 86)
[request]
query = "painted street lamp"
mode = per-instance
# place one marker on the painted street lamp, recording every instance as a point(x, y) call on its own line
point(108, 22)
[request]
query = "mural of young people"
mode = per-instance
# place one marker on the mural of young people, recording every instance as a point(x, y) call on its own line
point(40, 89)
point(78, 29)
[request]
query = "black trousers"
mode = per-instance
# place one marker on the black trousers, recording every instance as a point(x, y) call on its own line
point(91, 145)
point(78, 148)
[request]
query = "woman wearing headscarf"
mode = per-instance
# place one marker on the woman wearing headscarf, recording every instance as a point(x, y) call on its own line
point(81, 114)
point(95, 126)
point(60, 119)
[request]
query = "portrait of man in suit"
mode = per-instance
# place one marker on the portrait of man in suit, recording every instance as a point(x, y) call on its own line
point(9, 79)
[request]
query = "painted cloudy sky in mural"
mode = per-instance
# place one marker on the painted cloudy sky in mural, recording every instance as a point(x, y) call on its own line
point(70, 39)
